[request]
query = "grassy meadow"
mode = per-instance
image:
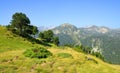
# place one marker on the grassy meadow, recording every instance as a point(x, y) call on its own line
point(64, 59)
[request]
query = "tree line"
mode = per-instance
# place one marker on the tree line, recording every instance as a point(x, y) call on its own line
point(86, 49)
point(20, 25)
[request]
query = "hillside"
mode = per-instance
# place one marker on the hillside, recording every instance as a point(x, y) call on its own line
point(12, 59)
point(10, 41)
point(101, 38)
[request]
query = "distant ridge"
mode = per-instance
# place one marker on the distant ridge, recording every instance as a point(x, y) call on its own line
point(43, 28)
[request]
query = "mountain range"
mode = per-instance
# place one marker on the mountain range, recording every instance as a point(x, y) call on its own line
point(103, 39)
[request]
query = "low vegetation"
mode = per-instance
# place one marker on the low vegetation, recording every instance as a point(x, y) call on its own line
point(16, 62)
point(37, 53)
point(64, 55)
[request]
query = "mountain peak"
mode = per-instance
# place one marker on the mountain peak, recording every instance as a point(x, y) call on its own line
point(65, 28)
point(91, 26)
point(94, 26)
point(100, 29)
point(68, 25)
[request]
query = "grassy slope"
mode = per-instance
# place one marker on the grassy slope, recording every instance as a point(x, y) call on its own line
point(8, 41)
point(12, 59)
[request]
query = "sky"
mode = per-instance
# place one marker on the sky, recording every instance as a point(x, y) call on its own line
point(51, 13)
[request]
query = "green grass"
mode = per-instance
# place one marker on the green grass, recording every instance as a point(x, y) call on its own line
point(38, 52)
point(64, 55)
point(54, 64)
point(12, 59)
point(10, 41)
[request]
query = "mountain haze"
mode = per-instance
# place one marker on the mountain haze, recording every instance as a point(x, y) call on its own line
point(102, 39)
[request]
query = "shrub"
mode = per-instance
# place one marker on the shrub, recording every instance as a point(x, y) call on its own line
point(64, 55)
point(84, 49)
point(98, 55)
point(56, 41)
point(37, 53)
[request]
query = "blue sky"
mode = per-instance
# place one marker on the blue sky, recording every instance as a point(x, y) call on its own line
point(55, 12)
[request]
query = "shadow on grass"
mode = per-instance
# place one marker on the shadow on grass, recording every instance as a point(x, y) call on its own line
point(34, 40)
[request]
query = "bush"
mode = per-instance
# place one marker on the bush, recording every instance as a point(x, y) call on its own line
point(64, 55)
point(84, 49)
point(56, 41)
point(37, 53)
point(98, 55)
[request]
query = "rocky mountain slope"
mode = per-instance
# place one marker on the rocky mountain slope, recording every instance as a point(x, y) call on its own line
point(101, 38)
